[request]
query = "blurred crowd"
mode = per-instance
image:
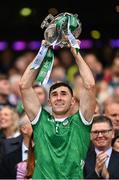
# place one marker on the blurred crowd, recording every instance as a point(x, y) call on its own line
point(15, 128)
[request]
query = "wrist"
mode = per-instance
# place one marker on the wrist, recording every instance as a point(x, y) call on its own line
point(98, 172)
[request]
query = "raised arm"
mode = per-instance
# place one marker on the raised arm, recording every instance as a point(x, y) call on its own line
point(29, 97)
point(87, 92)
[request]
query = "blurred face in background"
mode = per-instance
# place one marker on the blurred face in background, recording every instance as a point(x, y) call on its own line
point(14, 81)
point(6, 118)
point(25, 126)
point(5, 87)
point(93, 63)
point(40, 91)
point(21, 64)
point(77, 82)
point(66, 57)
point(115, 67)
point(112, 111)
point(58, 74)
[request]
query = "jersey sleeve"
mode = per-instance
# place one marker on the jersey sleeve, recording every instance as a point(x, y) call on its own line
point(84, 121)
point(37, 117)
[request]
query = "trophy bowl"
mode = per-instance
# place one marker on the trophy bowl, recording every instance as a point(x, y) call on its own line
point(57, 27)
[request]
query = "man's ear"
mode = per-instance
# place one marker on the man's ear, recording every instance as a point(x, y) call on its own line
point(72, 101)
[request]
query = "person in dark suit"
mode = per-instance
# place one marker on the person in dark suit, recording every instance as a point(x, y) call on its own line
point(102, 161)
point(8, 165)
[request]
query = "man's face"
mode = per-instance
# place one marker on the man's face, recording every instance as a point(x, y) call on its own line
point(112, 110)
point(101, 135)
point(61, 100)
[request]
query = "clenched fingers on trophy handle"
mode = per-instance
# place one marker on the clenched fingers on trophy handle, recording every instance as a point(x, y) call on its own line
point(45, 42)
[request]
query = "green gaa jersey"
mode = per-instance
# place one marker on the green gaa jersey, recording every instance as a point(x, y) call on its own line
point(60, 147)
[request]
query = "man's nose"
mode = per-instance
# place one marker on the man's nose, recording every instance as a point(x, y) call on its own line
point(100, 134)
point(59, 96)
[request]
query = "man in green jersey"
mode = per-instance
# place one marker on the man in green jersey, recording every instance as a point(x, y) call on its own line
point(60, 139)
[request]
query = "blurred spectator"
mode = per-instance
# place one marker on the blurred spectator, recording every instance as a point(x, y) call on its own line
point(15, 92)
point(29, 56)
point(77, 82)
point(5, 91)
point(58, 74)
point(103, 91)
point(9, 133)
point(56, 61)
point(115, 73)
point(75, 106)
point(107, 73)
point(94, 65)
point(102, 161)
point(112, 110)
point(71, 73)
point(41, 92)
point(115, 143)
point(8, 165)
point(25, 168)
point(98, 109)
point(116, 94)
point(8, 123)
point(6, 61)
point(21, 63)
point(66, 57)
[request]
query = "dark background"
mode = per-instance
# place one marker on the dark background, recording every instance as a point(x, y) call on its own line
point(98, 14)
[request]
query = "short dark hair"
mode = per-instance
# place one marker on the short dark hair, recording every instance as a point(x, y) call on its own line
point(101, 119)
point(59, 84)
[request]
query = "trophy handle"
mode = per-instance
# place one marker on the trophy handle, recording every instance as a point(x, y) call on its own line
point(47, 21)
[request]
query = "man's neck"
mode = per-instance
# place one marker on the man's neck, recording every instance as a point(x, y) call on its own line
point(103, 148)
point(61, 116)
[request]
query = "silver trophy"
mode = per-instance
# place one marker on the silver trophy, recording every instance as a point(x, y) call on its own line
point(54, 34)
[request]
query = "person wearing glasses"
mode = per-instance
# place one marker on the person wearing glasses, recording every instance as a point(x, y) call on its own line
point(102, 161)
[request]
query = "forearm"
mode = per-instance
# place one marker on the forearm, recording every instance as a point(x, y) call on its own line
point(30, 99)
point(87, 92)
point(28, 77)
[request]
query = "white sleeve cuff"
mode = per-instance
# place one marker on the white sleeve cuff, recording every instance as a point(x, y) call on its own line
point(36, 118)
point(84, 121)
